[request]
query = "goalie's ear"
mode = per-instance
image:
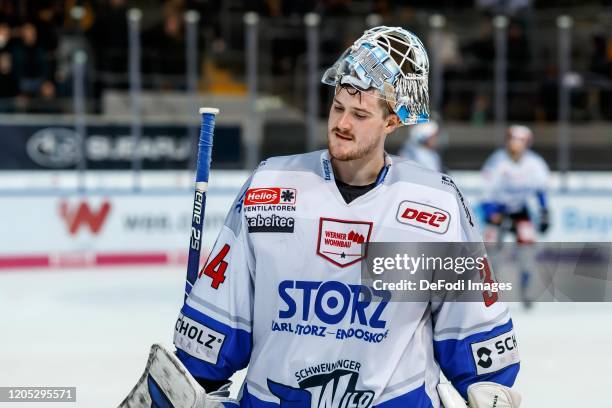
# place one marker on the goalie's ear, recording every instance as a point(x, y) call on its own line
point(392, 122)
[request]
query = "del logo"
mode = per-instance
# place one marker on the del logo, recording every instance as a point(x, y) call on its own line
point(83, 215)
point(326, 385)
point(271, 195)
point(340, 241)
point(423, 216)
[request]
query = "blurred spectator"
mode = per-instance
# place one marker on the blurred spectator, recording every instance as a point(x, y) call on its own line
point(480, 53)
point(5, 37)
point(285, 48)
point(211, 22)
point(8, 83)
point(600, 69)
point(505, 7)
point(519, 61)
point(479, 56)
point(481, 108)
point(164, 49)
point(394, 9)
point(448, 50)
point(46, 100)
point(437, 5)
point(520, 75)
point(600, 61)
point(31, 64)
point(38, 39)
point(282, 8)
point(109, 40)
point(48, 39)
point(446, 46)
point(336, 8)
point(46, 25)
point(11, 11)
point(77, 22)
point(548, 93)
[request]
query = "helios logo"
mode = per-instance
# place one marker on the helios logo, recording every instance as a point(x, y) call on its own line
point(82, 215)
point(262, 196)
point(272, 195)
point(423, 216)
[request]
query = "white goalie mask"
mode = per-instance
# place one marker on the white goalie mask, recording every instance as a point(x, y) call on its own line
point(393, 61)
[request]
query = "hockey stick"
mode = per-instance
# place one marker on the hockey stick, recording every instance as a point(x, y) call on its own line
point(207, 128)
point(165, 381)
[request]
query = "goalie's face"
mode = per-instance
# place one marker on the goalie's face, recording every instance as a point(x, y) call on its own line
point(358, 125)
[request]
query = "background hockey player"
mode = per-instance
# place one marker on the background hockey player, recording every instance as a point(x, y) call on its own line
point(514, 178)
point(281, 291)
point(422, 145)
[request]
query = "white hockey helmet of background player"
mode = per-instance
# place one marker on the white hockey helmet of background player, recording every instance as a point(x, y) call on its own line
point(423, 132)
point(393, 61)
point(520, 132)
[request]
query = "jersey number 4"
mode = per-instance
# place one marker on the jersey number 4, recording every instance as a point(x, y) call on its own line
point(216, 268)
point(485, 273)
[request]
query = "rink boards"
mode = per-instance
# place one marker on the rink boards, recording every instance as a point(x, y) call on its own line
point(112, 224)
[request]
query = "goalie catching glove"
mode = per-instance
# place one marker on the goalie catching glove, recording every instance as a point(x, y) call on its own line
point(166, 383)
point(480, 395)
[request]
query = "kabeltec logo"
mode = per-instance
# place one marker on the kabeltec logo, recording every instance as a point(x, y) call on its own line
point(270, 195)
point(82, 215)
point(423, 216)
point(273, 223)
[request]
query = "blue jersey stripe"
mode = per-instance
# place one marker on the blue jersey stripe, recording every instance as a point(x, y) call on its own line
point(457, 363)
point(233, 356)
point(250, 401)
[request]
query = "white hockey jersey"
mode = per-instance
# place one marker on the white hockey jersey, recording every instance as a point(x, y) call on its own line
point(281, 293)
point(511, 183)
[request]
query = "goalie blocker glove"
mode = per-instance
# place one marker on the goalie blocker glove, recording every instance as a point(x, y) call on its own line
point(480, 395)
point(166, 383)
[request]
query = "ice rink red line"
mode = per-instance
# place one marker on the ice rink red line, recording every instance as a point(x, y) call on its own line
point(11, 262)
point(132, 259)
point(85, 260)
